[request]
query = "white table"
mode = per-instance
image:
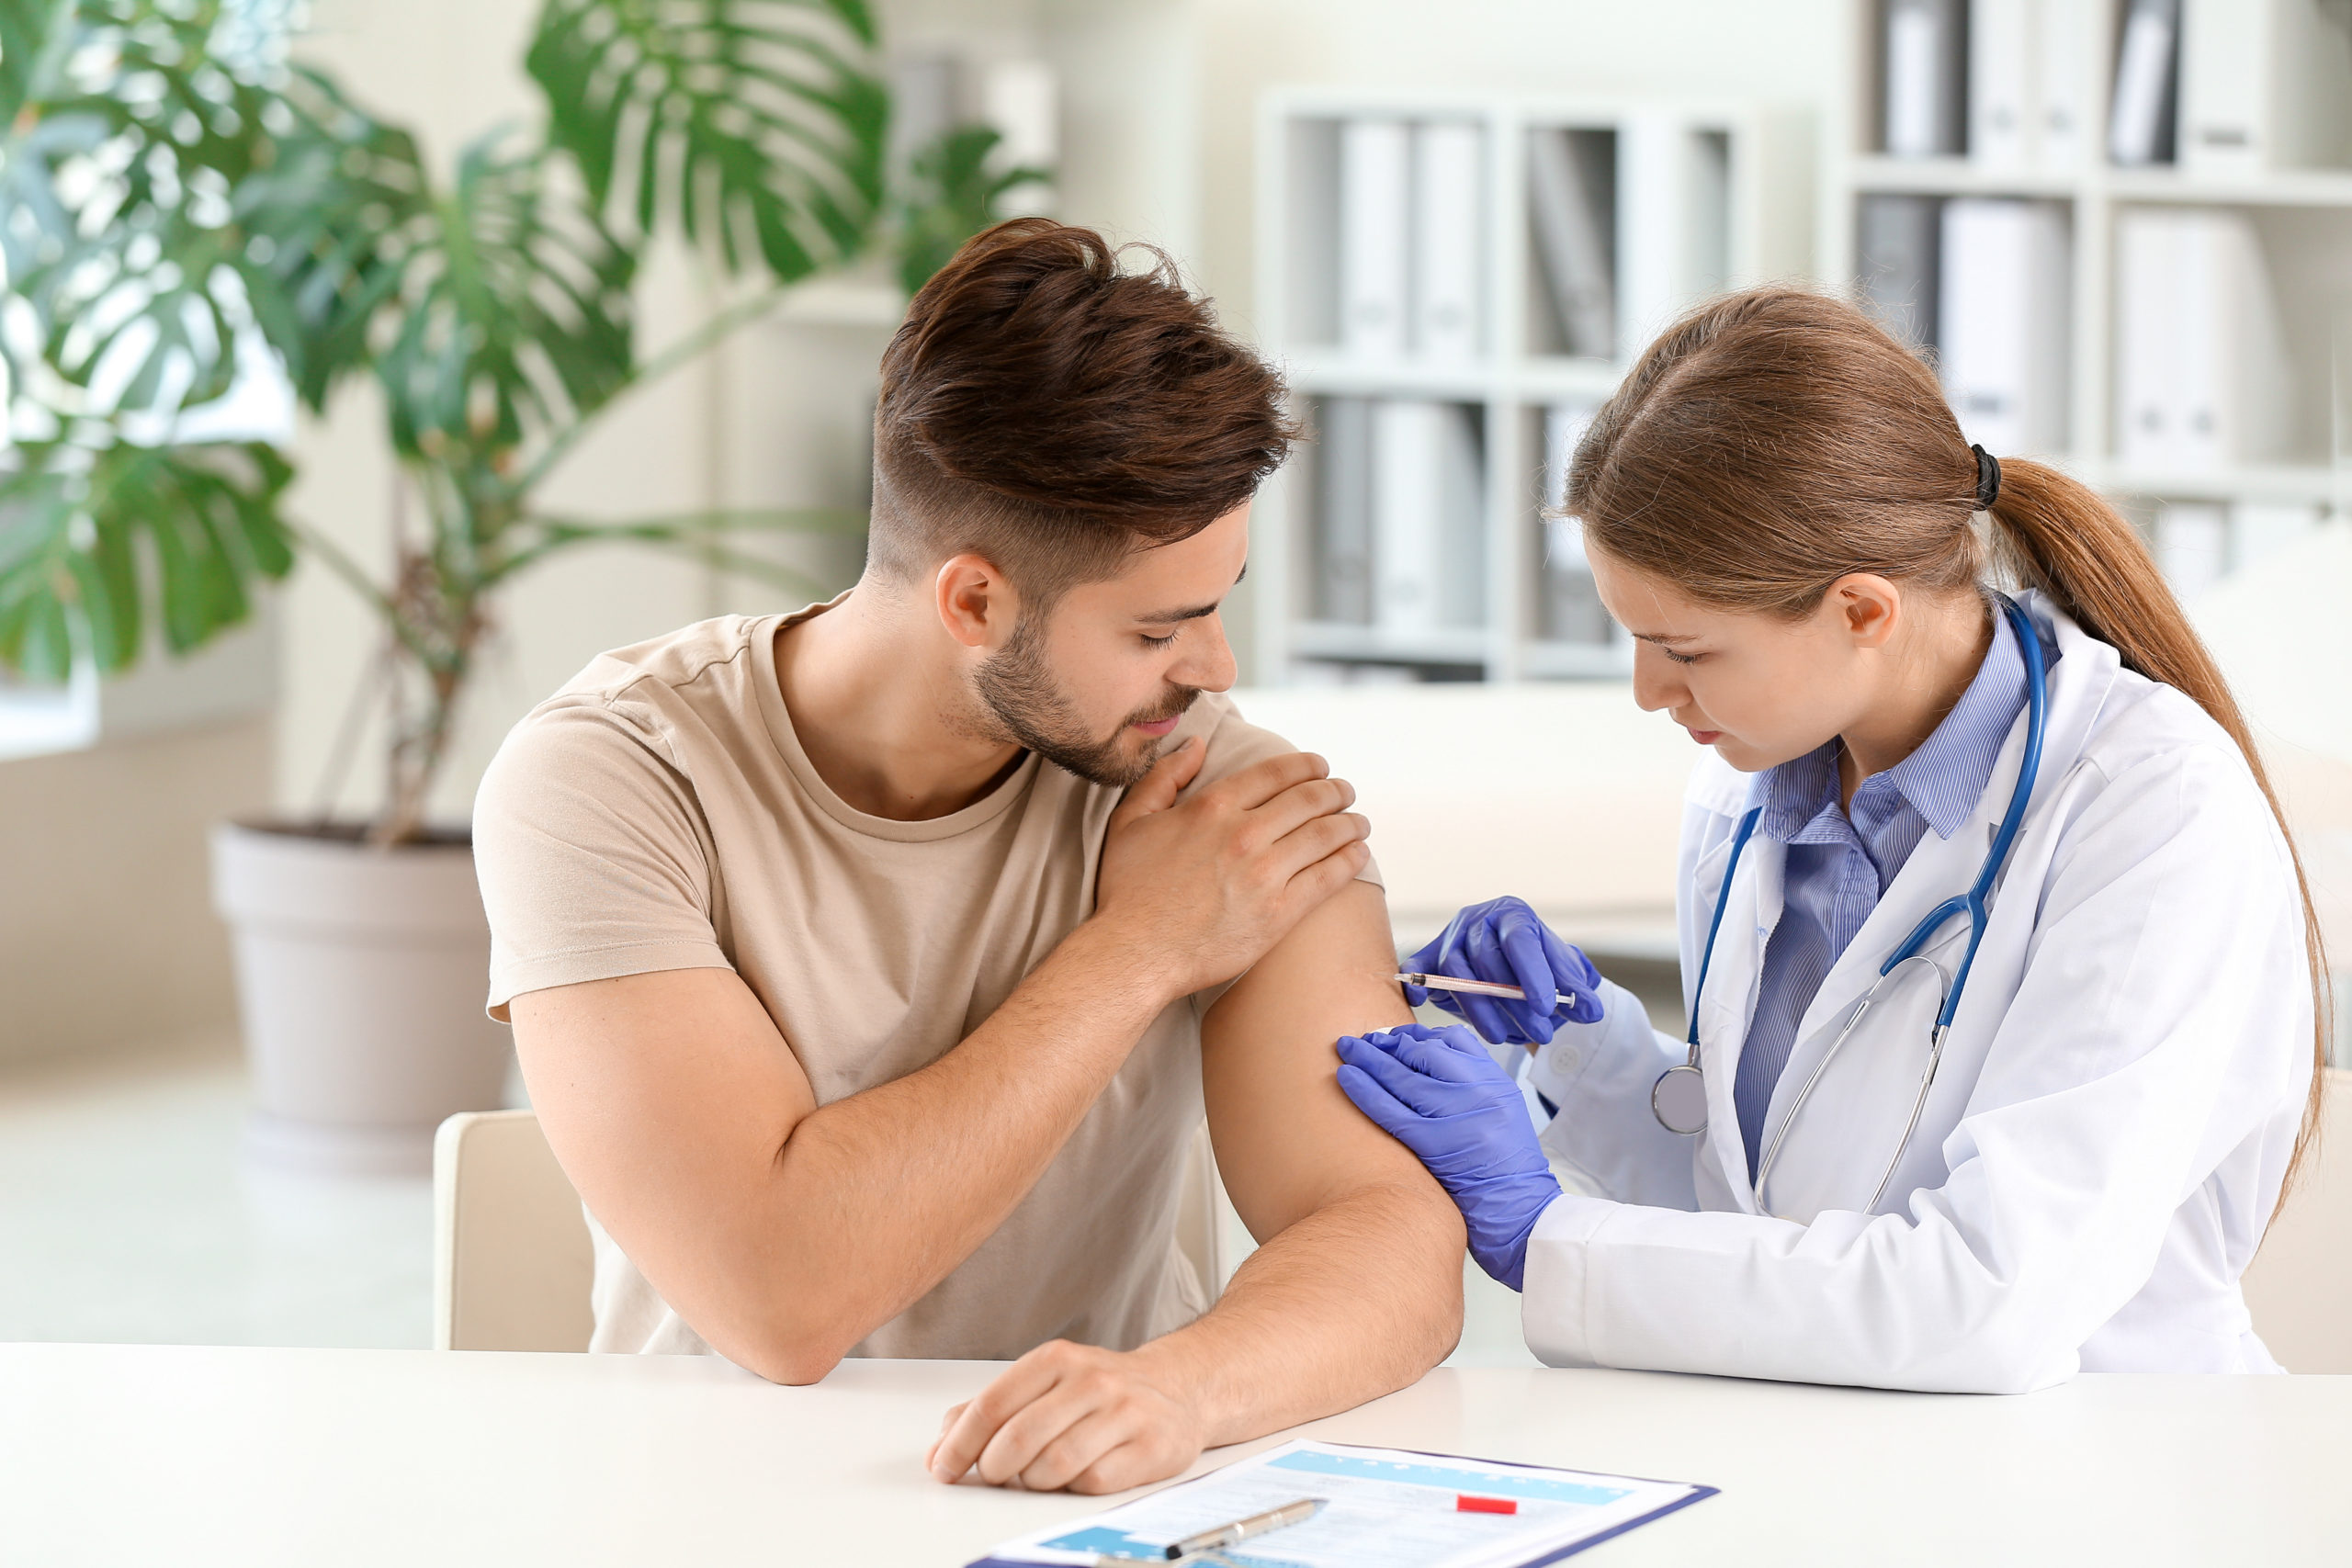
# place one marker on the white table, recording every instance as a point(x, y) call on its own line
point(138, 1455)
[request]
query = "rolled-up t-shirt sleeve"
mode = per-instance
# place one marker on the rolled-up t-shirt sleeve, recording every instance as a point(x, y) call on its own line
point(594, 859)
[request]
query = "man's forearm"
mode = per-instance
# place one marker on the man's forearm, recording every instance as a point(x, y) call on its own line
point(1354, 1300)
point(878, 1197)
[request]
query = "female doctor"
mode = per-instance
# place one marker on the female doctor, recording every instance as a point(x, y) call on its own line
point(1999, 960)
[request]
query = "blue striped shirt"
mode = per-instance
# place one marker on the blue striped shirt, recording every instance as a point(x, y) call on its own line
point(1841, 863)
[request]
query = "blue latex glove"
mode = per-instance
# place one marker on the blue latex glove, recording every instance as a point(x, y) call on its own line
point(1437, 1093)
point(1502, 941)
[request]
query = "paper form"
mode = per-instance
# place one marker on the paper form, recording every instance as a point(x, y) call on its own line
point(1387, 1508)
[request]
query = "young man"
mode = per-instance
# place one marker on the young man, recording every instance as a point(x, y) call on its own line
point(871, 967)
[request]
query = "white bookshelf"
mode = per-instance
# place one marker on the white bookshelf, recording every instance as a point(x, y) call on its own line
point(1733, 188)
point(2302, 217)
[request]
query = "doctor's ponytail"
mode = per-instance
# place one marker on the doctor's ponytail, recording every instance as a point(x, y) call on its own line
point(1773, 441)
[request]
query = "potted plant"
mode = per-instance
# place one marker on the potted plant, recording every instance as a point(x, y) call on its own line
point(173, 185)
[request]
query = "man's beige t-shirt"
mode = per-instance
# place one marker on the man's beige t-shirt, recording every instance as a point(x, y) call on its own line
point(659, 813)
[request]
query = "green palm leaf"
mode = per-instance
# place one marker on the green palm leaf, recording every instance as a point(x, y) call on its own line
point(329, 227)
point(91, 545)
point(33, 40)
point(952, 193)
point(127, 105)
point(515, 313)
point(758, 124)
point(160, 196)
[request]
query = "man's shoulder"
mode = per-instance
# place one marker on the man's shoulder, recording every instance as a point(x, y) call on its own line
point(1232, 741)
point(626, 711)
point(705, 655)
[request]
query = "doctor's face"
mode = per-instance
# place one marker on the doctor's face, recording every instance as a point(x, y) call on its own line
point(1760, 690)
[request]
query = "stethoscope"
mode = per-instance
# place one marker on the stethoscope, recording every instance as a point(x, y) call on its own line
point(1678, 1098)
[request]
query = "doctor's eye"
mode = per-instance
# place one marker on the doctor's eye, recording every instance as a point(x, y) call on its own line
point(1151, 641)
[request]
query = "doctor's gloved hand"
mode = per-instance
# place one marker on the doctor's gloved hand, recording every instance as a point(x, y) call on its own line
point(1438, 1092)
point(1502, 941)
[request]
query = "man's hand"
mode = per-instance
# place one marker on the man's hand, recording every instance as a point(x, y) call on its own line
point(1069, 1417)
point(1208, 886)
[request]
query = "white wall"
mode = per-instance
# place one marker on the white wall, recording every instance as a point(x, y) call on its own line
point(107, 932)
point(2279, 633)
point(1580, 813)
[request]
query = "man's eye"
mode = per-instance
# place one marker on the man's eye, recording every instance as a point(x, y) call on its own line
point(1157, 641)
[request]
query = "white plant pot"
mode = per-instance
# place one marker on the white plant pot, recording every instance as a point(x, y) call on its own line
point(361, 975)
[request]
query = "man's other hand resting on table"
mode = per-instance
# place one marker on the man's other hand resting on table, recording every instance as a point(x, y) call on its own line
point(872, 967)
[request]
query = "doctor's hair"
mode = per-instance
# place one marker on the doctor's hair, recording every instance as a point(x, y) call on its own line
point(1046, 408)
point(1775, 440)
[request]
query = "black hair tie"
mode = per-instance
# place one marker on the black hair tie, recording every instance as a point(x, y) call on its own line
point(1988, 479)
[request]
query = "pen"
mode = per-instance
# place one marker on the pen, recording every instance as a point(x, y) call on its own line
point(1476, 987)
point(1240, 1531)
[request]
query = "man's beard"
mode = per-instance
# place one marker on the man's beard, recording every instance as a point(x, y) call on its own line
point(1020, 692)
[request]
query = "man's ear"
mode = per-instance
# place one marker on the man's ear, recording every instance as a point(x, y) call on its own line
point(1869, 606)
point(976, 603)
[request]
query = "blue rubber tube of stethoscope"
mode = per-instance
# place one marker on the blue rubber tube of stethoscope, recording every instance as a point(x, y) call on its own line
point(1678, 1098)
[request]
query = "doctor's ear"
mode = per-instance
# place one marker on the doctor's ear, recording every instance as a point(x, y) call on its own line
point(1868, 607)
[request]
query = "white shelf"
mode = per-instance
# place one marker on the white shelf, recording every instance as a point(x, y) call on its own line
point(1557, 378)
point(1878, 173)
point(2305, 484)
point(1731, 189)
point(1875, 172)
point(2295, 188)
point(1538, 660)
point(1377, 644)
point(1527, 378)
point(1577, 660)
point(1326, 373)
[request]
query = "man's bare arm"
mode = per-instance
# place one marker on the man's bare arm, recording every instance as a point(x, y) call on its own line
point(1355, 1292)
point(785, 1232)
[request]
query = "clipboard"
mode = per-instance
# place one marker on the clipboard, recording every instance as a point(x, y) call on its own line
point(1387, 1508)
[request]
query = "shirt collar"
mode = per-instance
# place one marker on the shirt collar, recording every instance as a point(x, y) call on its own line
point(1943, 780)
point(1796, 792)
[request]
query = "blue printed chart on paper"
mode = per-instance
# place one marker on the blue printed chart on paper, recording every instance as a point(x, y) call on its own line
point(1385, 1508)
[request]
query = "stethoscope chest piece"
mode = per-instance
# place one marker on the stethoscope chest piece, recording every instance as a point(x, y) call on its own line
point(1678, 1099)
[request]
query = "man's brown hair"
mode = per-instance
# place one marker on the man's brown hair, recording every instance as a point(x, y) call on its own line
point(1052, 412)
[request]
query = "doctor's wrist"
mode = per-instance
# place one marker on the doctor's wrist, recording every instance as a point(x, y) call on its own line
point(1498, 1238)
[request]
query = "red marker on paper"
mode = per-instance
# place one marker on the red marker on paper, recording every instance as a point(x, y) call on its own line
point(1465, 1504)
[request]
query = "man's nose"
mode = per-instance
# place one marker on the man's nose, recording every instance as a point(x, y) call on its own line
point(1210, 664)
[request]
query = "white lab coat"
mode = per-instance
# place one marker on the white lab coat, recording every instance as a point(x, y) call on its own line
point(2106, 1134)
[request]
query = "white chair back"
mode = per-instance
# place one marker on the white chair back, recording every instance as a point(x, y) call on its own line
point(512, 1261)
